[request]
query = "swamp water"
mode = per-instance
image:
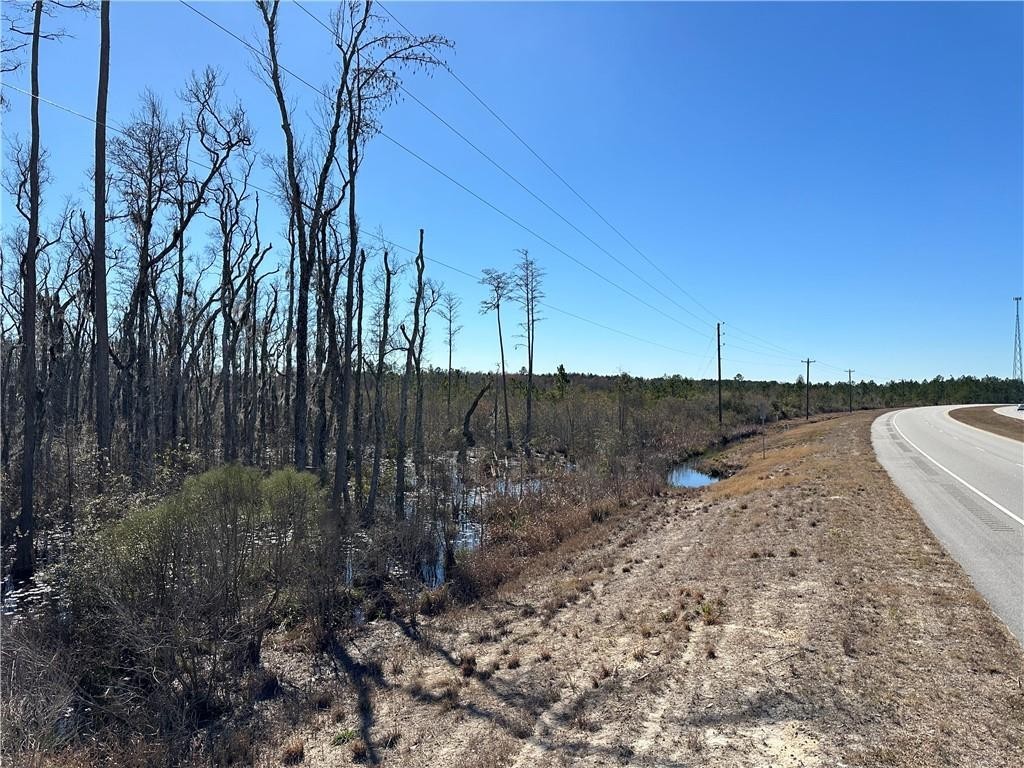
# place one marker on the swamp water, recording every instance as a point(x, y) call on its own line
point(685, 476)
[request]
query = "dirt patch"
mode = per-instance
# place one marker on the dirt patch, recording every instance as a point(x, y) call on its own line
point(983, 417)
point(798, 613)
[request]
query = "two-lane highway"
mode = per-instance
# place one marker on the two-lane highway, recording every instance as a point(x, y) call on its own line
point(968, 486)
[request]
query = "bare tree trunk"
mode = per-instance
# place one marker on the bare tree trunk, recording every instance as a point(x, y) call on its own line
point(324, 305)
point(467, 433)
point(528, 292)
point(352, 137)
point(448, 382)
point(419, 452)
point(227, 310)
point(252, 371)
point(378, 398)
point(403, 400)
point(101, 345)
point(418, 448)
point(504, 382)
point(289, 323)
point(269, 11)
point(357, 403)
point(23, 561)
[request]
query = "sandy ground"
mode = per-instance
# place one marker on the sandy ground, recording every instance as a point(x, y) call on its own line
point(797, 613)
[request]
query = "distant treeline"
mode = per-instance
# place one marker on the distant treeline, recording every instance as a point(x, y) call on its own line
point(742, 398)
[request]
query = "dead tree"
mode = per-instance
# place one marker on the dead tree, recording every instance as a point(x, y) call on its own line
point(372, 58)
point(431, 296)
point(378, 395)
point(450, 304)
point(101, 343)
point(467, 434)
point(23, 557)
point(241, 254)
point(151, 167)
point(357, 404)
point(307, 200)
point(499, 285)
point(403, 398)
point(528, 293)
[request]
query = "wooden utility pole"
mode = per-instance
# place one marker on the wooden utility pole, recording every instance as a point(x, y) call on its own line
point(718, 333)
point(807, 389)
point(849, 373)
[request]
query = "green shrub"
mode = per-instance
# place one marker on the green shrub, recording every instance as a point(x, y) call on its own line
point(169, 607)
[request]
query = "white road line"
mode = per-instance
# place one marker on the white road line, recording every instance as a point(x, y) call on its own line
point(979, 429)
point(956, 477)
point(959, 423)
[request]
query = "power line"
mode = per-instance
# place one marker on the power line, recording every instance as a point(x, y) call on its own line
point(547, 305)
point(479, 197)
point(498, 210)
point(362, 232)
point(763, 342)
point(519, 183)
point(555, 173)
point(454, 181)
point(439, 262)
point(570, 187)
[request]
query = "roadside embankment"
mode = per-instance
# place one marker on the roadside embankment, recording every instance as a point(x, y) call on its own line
point(797, 613)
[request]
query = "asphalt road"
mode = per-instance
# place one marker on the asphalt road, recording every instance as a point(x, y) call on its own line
point(968, 486)
point(1011, 411)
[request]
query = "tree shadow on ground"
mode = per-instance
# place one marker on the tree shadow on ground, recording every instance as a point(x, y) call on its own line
point(528, 706)
point(363, 676)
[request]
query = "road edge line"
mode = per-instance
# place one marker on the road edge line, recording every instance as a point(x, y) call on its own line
point(955, 476)
point(983, 431)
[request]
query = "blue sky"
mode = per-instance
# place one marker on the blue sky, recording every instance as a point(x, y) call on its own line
point(841, 180)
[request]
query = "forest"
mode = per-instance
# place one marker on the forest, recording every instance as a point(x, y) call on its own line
point(206, 437)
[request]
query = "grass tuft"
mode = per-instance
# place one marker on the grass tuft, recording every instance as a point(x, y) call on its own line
point(293, 752)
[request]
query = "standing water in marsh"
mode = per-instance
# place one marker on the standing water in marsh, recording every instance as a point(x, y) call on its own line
point(685, 476)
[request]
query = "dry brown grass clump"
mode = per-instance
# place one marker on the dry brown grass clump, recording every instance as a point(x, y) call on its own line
point(294, 751)
point(518, 531)
point(359, 750)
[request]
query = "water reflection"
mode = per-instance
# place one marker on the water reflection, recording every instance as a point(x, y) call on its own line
point(685, 476)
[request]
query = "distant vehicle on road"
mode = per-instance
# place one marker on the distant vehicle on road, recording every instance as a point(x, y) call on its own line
point(1020, 407)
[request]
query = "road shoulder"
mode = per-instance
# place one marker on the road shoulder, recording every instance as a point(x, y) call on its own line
point(798, 613)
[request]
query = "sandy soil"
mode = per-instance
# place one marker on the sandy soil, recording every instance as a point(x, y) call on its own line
point(797, 613)
point(983, 417)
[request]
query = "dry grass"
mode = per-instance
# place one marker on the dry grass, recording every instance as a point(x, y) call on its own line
point(772, 473)
point(872, 628)
point(359, 750)
point(876, 628)
point(294, 751)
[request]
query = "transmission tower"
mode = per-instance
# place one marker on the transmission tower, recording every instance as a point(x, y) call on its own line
point(1018, 368)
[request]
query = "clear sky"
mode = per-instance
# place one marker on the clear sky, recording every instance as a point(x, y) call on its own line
point(841, 180)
